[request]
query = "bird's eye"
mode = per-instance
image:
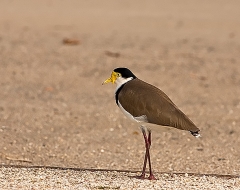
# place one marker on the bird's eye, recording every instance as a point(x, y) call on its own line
point(118, 74)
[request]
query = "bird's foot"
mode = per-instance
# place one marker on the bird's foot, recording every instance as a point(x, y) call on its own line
point(151, 177)
point(142, 176)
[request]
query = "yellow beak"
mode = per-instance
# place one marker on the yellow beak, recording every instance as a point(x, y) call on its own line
point(112, 79)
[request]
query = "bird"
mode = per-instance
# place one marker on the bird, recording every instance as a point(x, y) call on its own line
point(147, 105)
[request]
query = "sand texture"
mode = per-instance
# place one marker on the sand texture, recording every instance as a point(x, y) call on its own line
point(60, 128)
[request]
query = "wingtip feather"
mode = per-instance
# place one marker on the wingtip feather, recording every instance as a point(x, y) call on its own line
point(195, 134)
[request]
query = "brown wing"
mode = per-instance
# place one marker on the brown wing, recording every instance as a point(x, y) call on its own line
point(140, 98)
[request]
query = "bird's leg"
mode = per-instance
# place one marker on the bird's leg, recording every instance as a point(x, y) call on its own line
point(142, 176)
point(148, 142)
point(151, 176)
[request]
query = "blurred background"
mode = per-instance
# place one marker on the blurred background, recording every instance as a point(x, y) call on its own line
point(54, 56)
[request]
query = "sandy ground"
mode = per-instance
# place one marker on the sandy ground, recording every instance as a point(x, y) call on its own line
point(60, 127)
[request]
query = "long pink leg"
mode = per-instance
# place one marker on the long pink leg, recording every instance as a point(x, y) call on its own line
point(147, 155)
point(151, 176)
point(142, 176)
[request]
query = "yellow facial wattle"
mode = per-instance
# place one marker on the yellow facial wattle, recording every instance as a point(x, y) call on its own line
point(112, 79)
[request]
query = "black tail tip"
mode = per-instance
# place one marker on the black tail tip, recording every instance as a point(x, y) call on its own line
point(195, 134)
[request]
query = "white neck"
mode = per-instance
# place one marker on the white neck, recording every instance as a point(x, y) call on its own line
point(120, 81)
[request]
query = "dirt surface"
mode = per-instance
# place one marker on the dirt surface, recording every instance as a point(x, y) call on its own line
point(54, 56)
point(65, 178)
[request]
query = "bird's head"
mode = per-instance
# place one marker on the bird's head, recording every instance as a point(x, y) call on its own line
point(120, 76)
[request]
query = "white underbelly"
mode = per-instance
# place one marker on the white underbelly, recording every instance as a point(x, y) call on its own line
point(142, 118)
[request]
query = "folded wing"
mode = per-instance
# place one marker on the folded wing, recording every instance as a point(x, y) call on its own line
point(140, 98)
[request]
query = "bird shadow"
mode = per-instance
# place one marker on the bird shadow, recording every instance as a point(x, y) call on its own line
point(227, 176)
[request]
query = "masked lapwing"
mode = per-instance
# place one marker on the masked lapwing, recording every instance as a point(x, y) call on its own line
point(146, 104)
